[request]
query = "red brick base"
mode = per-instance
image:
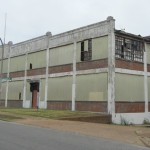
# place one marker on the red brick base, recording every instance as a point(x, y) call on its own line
point(130, 107)
point(121, 107)
point(80, 105)
point(12, 103)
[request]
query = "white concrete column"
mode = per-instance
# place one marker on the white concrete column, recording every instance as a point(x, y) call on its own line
point(25, 80)
point(111, 66)
point(74, 77)
point(48, 34)
point(8, 70)
point(145, 80)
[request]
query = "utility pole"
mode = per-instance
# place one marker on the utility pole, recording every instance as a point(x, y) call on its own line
point(1, 71)
point(3, 44)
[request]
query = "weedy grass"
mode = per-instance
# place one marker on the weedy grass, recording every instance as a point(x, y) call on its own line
point(51, 114)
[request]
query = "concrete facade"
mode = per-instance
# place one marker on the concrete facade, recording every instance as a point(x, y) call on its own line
point(93, 68)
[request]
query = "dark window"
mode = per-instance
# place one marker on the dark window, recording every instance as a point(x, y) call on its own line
point(20, 96)
point(129, 49)
point(30, 66)
point(34, 86)
point(82, 51)
point(86, 54)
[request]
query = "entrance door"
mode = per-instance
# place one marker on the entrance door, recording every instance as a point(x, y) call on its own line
point(34, 88)
point(34, 99)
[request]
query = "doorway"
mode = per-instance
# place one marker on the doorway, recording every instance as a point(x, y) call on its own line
point(34, 88)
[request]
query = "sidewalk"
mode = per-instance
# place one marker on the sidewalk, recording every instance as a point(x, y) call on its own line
point(128, 134)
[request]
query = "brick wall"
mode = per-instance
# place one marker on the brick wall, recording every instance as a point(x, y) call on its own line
point(2, 103)
point(15, 103)
point(130, 107)
point(81, 106)
point(121, 107)
point(129, 65)
point(12, 103)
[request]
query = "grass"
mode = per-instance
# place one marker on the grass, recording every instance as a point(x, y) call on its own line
point(51, 114)
point(6, 117)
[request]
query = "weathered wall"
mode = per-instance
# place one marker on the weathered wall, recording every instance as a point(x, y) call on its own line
point(100, 48)
point(3, 91)
point(60, 88)
point(0, 51)
point(61, 55)
point(148, 53)
point(17, 63)
point(5, 61)
point(14, 89)
point(64, 54)
point(58, 56)
point(37, 59)
point(92, 87)
point(129, 87)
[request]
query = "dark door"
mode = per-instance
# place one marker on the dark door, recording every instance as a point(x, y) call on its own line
point(34, 88)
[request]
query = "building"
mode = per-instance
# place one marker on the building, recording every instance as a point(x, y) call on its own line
point(92, 68)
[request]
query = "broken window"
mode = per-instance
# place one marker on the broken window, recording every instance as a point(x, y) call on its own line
point(86, 50)
point(129, 49)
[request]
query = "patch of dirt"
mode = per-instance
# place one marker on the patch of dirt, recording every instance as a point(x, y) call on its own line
point(126, 134)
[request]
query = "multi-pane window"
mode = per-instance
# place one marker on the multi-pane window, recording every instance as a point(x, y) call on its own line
point(86, 50)
point(129, 49)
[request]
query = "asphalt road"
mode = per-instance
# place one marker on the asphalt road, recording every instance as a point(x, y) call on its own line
point(22, 137)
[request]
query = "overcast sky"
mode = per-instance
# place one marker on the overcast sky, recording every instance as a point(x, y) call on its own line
point(27, 19)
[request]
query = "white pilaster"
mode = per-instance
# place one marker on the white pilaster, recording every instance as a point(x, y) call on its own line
point(25, 80)
point(74, 77)
point(48, 34)
point(111, 66)
point(8, 70)
point(145, 80)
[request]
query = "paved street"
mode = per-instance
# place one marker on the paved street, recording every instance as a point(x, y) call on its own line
point(21, 137)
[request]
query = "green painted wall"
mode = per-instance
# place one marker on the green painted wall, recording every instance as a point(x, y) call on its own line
point(61, 55)
point(3, 90)
point(89, 88)
point(58, 56)
point(129, 87)
point(92, 87)
point(100, 48)
point(14, 89)
point(148, 54)
point(64, 54)
point(42, 89)
point(60, 88)
point(0, 51)
point(17, 63)
point(5, 65)
point(38, 59)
